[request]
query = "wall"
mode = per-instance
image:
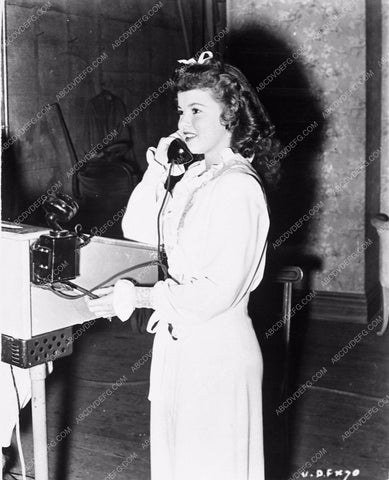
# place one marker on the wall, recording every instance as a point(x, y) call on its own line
point(62, 42)
point(307, 60)
point(324, 47)
point(385, 110)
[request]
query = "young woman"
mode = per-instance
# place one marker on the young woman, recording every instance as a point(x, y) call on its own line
point(206, 373)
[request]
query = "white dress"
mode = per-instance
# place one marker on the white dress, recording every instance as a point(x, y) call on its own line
point(206, 374)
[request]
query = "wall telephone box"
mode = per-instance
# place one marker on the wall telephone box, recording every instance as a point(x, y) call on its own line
point(27, 311)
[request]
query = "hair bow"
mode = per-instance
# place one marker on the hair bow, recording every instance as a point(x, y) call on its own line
point(204, 56)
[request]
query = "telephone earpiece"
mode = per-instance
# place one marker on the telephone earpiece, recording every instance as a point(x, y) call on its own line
point(178, 152)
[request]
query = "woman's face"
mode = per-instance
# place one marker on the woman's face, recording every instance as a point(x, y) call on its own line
point(200, 124)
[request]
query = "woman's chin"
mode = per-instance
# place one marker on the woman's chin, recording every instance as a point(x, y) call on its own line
point(194, 150)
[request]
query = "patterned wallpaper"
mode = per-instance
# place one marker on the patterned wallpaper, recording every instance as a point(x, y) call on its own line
point(385, 111)
point(327, 41)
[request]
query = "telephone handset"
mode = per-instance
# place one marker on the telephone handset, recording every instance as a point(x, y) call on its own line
point(179, 153)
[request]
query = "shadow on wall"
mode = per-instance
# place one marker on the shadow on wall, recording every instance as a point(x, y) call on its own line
point(293, 107)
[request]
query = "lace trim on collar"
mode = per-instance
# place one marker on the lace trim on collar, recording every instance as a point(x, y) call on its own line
point(214, 172)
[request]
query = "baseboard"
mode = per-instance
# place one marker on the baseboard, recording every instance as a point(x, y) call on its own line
point(344, 306)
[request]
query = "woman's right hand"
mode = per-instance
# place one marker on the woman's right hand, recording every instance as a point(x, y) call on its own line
point(157, 156)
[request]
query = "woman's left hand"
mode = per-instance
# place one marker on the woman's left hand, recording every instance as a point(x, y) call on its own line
point(102, 306)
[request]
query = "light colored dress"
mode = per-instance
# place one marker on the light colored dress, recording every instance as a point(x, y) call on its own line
point(206, 374)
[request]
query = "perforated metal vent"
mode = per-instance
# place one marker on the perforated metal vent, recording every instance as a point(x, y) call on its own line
point(36, 350)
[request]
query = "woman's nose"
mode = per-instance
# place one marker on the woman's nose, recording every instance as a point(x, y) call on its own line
point(184, 121)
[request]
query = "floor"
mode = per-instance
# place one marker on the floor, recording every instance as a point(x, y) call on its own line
point(347, 409)
point(98, 412)
point(92, 434)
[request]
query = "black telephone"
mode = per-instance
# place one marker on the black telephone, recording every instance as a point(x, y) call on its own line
point(179, 153)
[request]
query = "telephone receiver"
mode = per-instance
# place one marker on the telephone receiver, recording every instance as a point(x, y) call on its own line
point(178, 152)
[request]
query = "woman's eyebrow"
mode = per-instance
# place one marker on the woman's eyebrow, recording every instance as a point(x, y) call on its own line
point(196, 103)
point(192, 105)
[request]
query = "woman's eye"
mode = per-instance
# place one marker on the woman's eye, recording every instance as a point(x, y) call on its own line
point(195, 110)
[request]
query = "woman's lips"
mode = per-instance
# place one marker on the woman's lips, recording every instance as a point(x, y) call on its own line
point(189, 136)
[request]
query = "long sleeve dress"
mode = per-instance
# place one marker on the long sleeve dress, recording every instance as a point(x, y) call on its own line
point(206, 372)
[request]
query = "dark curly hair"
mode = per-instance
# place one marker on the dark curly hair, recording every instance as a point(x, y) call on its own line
point(253, 134)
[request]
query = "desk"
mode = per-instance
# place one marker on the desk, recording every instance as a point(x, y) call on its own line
point(27, 311)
